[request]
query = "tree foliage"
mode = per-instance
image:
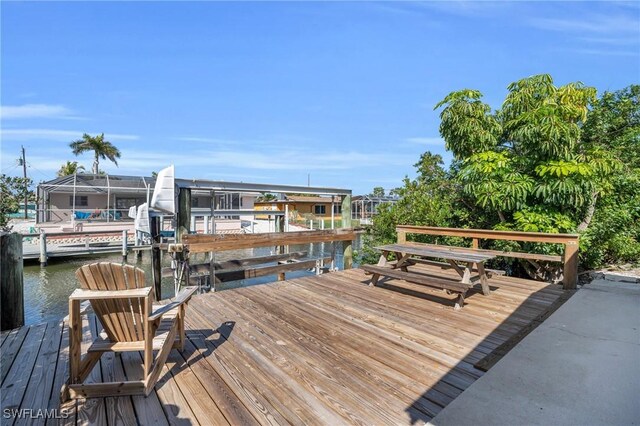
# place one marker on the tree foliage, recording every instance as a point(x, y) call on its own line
point(550, 159)
point(378, 191)
point(266, 197)
point(102, 149)
point(425, 200)
point(12, 192)
point(70, 168)
point(613, 126)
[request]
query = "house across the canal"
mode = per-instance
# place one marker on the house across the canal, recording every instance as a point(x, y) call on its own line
point(100, 200)
point(302, 208)
point(107, 198)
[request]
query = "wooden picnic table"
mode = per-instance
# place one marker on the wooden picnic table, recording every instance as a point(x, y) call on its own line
point(461, 260)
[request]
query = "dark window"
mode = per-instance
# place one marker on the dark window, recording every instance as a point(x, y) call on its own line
point(228, 201)
point(81, 200)
point(235, 201)
point(125, 203)
point(194, 202)
point(337, 208)
point(319, 209)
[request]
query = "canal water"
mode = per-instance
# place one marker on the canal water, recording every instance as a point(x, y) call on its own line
point(47, 290)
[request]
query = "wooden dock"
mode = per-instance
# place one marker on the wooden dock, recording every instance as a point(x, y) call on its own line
point(44, 246)
point(31, 252)
point(324, 349)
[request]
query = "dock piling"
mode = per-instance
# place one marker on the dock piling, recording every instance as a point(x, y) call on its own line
point(43, 249)
point(125, 236)
point(11, 281)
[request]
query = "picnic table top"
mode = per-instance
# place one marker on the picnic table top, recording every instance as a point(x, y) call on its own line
point(450, 253)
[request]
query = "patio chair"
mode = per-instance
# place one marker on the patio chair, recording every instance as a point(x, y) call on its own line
point(123, 305)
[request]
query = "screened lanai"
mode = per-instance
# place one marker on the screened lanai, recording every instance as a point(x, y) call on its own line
point(364, 207)
point(91, 197)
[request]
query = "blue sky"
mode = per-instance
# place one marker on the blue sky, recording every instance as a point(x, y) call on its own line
point(272, 92)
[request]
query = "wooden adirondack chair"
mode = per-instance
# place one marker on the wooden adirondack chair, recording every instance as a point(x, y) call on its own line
point(123, 305)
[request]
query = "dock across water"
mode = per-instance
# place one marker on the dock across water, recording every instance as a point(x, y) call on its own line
point(325, 349)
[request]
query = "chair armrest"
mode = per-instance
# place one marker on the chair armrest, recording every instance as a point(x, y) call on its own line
point(82, 294)
point(85, 307)
point(183, 296)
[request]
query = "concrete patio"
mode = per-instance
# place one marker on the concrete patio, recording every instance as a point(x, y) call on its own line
point(580, 366)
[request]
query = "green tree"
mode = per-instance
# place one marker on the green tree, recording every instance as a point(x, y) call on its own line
point(550, 159)
point(266, 197)
point(394, 192)
point(378, 191)
point(101, 148)
point(12, 192)
point(527, 162)
point(529, 153)
point(429, 200)
point(613, 231)
point(70, 168)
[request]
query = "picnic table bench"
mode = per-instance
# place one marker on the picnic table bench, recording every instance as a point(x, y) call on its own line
point(461, 260)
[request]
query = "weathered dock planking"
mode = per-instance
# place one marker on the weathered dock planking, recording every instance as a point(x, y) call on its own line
point(323, 349)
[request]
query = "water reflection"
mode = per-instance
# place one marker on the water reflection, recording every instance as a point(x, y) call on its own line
point(46, 290)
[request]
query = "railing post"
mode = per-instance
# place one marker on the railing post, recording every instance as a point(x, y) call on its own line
point(138, 252)
point(345, 212)
point(347, 246)
point(474, 243)
point(43, 249)
point(184, 224)
point(86, 242)
point(280, 227)
point(11, 281)
point(156, 257)
point(570, 266)
point(347, 255)
point(124, 245)
point(286, 218)
point(183, 220)
point(402, 235)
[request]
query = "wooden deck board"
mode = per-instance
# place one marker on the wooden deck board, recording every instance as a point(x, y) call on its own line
point(15, 383)
point(119, 410)
point(91, 411)
point(360, 370)
point(330, 390)
point(316, 350)
point(10, 349)
point(42, 376)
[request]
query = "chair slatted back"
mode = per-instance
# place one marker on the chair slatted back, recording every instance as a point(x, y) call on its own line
point(122, 319)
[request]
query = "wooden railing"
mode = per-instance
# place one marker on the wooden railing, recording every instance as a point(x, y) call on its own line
point(569, 258)
point(246, 268)
point(201, 243)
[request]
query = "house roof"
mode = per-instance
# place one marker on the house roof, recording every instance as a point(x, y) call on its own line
point(304, 199)
point(90, 183)
point(100, 183)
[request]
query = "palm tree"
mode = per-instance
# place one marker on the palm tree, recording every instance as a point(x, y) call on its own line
point(266, 197)
point(70, 168)
point(100, 147)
